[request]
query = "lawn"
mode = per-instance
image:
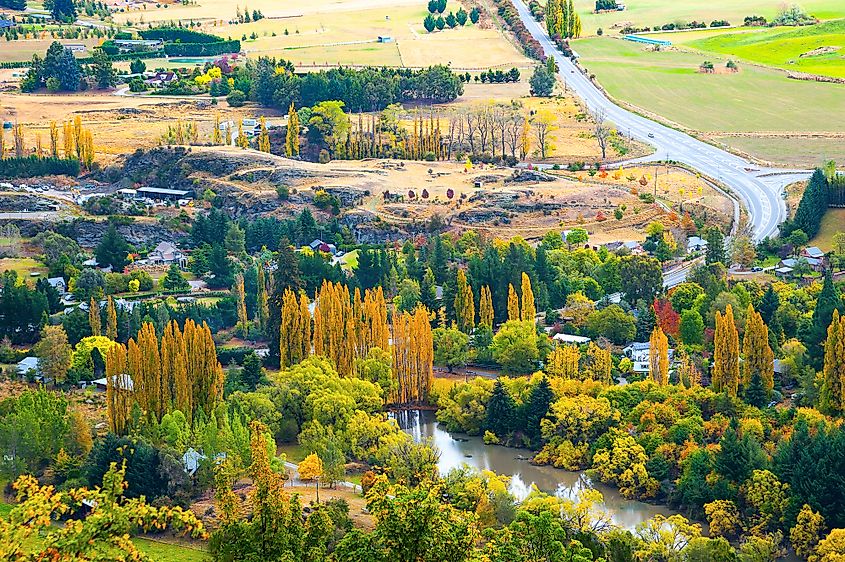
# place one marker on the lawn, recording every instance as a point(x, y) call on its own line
point(24, 266)
point(833, 222)
point(815, 49)
point(751, 101)
point(166, 552)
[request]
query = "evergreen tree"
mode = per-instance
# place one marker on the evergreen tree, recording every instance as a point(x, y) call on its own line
point(715, 246)
point(829, 300)
point(769, 304)
point(536, 408)
point(737, 457)
point(103, 69)
point(501, 411)
point(174, 280)
point(252, 372)
point(285, 277)
point(112, 250)
point(63, 10)
point(755, 392)
point(646, 320)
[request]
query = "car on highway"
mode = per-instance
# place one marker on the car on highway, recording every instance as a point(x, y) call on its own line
point(651, 135)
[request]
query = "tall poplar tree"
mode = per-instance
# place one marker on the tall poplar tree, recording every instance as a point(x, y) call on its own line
point(513, 304)
point(726, 353)
point(529, 309)
point(485, 308)
point(94, 317)
point(413, 356)
point(111, 319)
point(292, 137)
point(240, 301)
point(464, 304)
point(757, 355)
point(658, 356)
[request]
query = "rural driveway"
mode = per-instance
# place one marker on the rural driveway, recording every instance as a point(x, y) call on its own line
point(757, 187)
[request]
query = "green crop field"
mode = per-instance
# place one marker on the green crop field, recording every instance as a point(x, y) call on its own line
point(754, 100)
point(815, 49)
point(658, 12)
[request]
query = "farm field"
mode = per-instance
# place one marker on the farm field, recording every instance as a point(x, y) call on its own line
point(668, 83)
point(331, 33)
point(816, 49)
point(659, 12)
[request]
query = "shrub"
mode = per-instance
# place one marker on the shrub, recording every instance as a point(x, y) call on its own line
point(236, 98)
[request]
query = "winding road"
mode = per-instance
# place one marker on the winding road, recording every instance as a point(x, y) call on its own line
point(760, 189)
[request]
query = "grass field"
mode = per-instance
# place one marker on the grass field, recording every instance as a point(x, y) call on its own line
point(24, 266)
point(326, 32)
point(833, 222)
point(754, 100)
point(165, 552)
point(658, 12)
point(816, 49)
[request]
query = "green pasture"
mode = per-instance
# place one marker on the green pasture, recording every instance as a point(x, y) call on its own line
point(658, 12)
point(668, 83)
point(815, 49)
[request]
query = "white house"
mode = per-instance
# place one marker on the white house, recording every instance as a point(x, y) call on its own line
point(26, 365)
point(166, 253)
point(124, 382)
point(58, 283)
point(696, 244)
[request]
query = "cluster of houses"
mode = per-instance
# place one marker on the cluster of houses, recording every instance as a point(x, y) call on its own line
point(813, 258)
point(152, 196)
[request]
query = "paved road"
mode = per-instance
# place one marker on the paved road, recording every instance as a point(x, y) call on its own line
point(758, 188)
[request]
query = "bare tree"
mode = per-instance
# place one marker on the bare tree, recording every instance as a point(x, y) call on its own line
point(602, 130)
point(513, 131)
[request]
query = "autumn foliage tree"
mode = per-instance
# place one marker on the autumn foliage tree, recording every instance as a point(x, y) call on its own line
point(831, 398)
point(179, 372)
point(529, 309)
point(758, 358)
point(658, 357)
point(513, 304)
point(413, 355)
point(726, 353)
point(27, 533)
point(485, 308)
point(295, 329)
point(464, 304)
point(563, 362)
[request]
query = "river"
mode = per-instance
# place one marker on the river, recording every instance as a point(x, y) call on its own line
point(462, 449)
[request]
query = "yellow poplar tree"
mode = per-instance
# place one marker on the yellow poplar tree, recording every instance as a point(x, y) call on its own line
point(94, 317)
point(240, 299)
point(241, 140)
point(513, 304)
point(264, 137)
point(413, 356)
point(563, 362)
point(600, 363)
point(464, 304)
point(216, 137)
point(111, 319)
point(726, 353)
point(118, 398)
point(485, 308)
point(658, 356)
point(295, 329)
point(757, 354)
point(529, 310)
point(292, 137)
point(374, 331)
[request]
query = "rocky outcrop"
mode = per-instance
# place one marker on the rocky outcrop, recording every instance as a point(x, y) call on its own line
point(528, 176)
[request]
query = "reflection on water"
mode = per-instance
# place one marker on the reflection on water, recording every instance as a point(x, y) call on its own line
point(461, 449)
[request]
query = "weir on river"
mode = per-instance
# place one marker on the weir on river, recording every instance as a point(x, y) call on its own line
point(460, 449)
